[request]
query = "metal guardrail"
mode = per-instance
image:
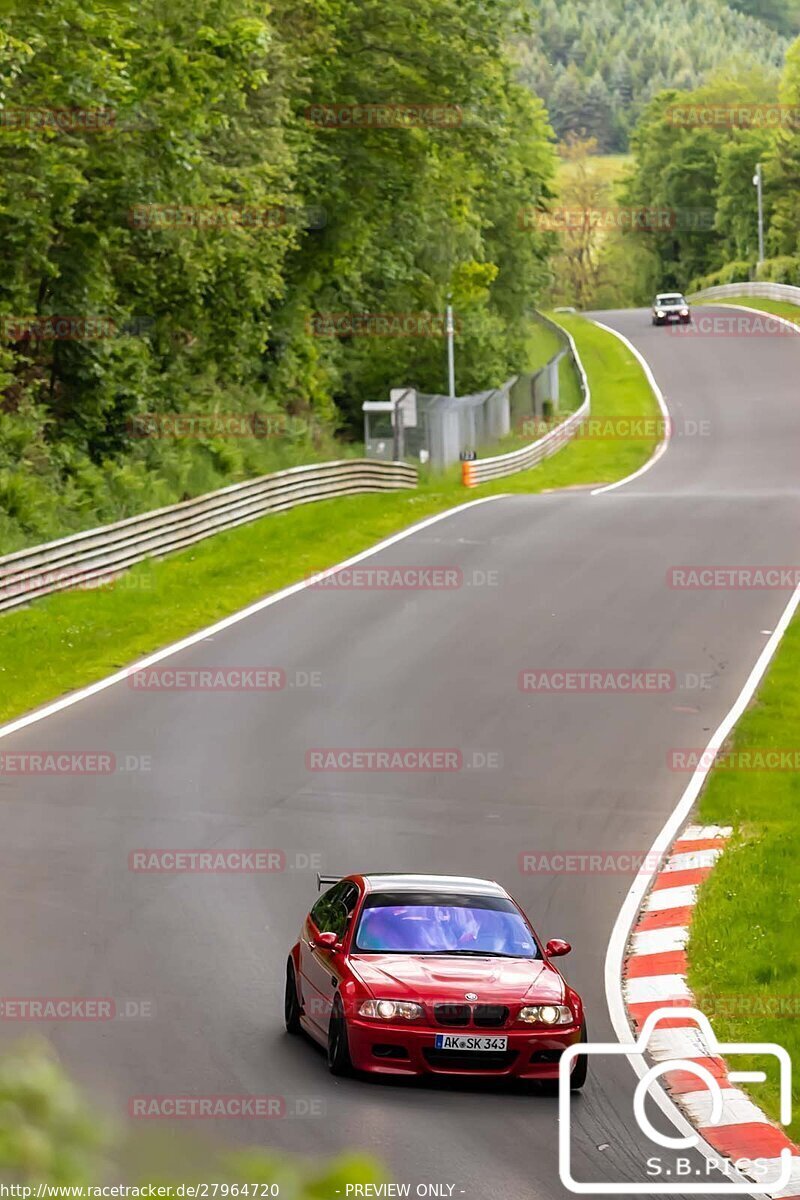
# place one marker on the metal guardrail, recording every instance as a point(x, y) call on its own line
point(88, 559)
point(482, 470)
point(763, 291)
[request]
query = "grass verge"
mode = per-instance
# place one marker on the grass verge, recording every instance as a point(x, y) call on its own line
point(66, 641)
point(779, 308)
point(744, 950)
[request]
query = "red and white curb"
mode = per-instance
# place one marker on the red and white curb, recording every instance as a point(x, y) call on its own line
point(655, 976)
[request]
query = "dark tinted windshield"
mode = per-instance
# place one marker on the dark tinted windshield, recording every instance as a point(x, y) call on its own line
point(427, 924)
point(670, 298)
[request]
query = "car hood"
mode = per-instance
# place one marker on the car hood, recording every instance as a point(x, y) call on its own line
point(437, 977)
point(671, 307)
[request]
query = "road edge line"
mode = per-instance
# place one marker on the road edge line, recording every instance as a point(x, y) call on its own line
point(663, 445)
point(760, 312)
point(631, 906)
point(100, 685)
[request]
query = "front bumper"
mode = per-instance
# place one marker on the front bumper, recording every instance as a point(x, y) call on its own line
point(393, 1049)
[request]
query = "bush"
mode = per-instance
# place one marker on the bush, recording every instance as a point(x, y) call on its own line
point(740, 271)
point(783, 269)
point(48, 1135)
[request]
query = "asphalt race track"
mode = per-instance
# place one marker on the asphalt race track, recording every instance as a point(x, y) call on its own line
point(569, 580)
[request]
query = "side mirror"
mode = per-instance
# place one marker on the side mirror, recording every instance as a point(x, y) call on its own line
point(556, 947)
point(327, 941)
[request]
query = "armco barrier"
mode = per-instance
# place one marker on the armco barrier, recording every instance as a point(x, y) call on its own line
point(481, 470)
point(763, 291)
point(89, 558)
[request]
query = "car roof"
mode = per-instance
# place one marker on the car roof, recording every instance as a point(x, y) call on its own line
point(666, 295)
point(384, 881)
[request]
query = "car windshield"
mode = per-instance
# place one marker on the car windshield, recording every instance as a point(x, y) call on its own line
point(670, 298)
point(408, 924)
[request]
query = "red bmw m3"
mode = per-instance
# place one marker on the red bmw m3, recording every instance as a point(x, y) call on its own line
point(431, 975)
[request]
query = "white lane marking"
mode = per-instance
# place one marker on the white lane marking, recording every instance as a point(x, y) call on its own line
point(100, 685)
point(656, 987)
point(660, 941)
point(663, 445)
point(692, 860)
point(761, 312)
point(736, 1108)
point(677, 897)
point(617, 943)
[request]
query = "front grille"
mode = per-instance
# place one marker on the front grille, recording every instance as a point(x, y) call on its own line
point(489, 1016)
point(452, 1014)
point(465, 1060)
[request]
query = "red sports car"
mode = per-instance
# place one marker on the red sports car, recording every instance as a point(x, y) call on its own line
point(431, 974)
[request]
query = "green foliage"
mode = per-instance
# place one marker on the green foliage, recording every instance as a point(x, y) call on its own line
point(702, 174)
point(598, 63)
point(733, 272)
point(50, 1136)
point(210, 100)
point(782, 269)
point(46, 1132)
point(783, 15)
point(718, 162)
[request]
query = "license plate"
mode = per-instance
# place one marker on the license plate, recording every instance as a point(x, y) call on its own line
point(468, 1041)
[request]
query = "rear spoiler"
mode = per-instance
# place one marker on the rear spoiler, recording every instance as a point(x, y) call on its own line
point(324, 880)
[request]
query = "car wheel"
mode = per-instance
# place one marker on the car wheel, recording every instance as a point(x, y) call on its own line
point(578, 1077)
point(291, 1003)
point(339, 1061)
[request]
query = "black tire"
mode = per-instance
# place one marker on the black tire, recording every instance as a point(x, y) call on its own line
point(581, 1068)
point(291, 1003)
point(339, 1061)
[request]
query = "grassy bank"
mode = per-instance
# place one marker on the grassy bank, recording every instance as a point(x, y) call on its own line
point(65, 641)
point(780, 308)
point(744, 949)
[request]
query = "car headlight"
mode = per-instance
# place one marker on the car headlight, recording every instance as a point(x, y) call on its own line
point(390, 1010)
point(660, 312)
point(546, 1014)
point(684, 312)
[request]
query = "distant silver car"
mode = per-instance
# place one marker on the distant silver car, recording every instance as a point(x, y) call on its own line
point(669, 307)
